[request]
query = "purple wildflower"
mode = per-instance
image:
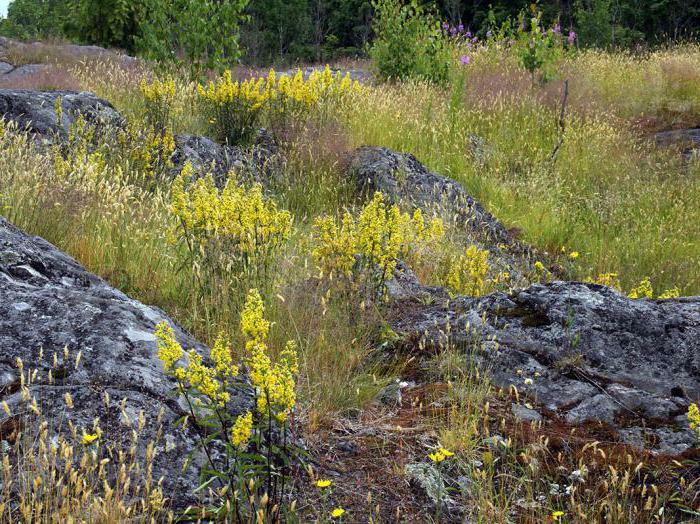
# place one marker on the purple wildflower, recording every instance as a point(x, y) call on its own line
point(557, 29)
point(572, 37)
point(445, 26)
point(489, 34)
point(460, 28)
point(465, 60)
point(469, 34)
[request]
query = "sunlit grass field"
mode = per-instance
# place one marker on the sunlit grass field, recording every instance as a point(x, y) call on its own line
point(576, 174)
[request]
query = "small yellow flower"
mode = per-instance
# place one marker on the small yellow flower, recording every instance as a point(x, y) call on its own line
point(89, 438)
point(557, 515)
point(323, 483)
point(436, 457)
point(573, 255)
point(240, 432)
point(539, 266)
point(337, 513)
point(446, 452)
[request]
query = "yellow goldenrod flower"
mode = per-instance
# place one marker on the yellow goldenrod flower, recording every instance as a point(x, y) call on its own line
point(642, 290)
point(323, 483)
point(222, 357)
point(467, 275)
point(557, 515)
point(539, 266)
point(436, 457)
point(253, 324)
point(574, 255)
point(169, 350)
point(674, 292)
point(240, 432)
point(446, 452)
point(694, 418)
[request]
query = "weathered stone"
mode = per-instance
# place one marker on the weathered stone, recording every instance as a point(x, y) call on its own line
point(582, 351)
point(49, 303)
point(688, 140)
point(402, 179)
point(207, 156)
point(525, 414)
point(35, 111)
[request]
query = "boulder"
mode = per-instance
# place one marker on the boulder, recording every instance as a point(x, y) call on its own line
point(404, 180)
point(207, 156)
point(36, 111)
point(49, 303)
point(687, 140)
point(582, 352)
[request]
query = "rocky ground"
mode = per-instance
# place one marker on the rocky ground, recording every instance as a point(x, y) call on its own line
point(566, 355)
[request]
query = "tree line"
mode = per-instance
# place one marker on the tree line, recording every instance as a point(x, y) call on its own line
point(285, 31)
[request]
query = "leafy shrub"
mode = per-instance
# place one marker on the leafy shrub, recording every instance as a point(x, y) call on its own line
point(467, 275)
point(232, 235)
point(409, 43)
point(539, 49)
point(234, 109)
point(366, 249)
point(159, 96)
point(251, 479)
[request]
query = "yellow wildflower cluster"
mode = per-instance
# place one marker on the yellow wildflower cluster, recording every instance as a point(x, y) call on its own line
point(241, 429)
point(440, 455)
point(158, 90)
point(694, 419)
point(159, 96)
point(642, 290)
point(234, 108)
point(274, 382)
point(674, 292)
point(169, 350)
point(467, 274)
point(610, 280)
point(236, 222)
point(209, 381)
point(375, 240)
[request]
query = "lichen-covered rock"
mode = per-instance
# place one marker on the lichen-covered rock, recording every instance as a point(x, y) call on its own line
point(583, 352)
point(35, 111)
point(49, 303)
point(404, 180)
point(209, 157)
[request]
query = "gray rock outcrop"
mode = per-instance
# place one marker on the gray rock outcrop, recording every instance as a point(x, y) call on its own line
point(252, 164)
point(49, 302)
point(35, 111)
point(403, 180)
point(583, 352)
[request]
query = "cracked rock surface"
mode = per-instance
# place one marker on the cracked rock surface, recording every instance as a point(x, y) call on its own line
point(35, 111)
point(50, 302)
point(583, 352)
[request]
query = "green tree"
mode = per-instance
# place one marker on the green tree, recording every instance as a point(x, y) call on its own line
point(34, 19)
point(198, 34)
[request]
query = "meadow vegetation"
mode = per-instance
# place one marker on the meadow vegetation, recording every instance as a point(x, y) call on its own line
point(575, 175)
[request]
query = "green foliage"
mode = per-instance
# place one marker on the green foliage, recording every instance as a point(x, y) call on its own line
point(409, 43)
point(199, 35)
point(539, 49)
point(34, 19)
point(594, 22)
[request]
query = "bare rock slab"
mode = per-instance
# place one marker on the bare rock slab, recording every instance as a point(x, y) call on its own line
point(49, 302)
point(583, 352)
